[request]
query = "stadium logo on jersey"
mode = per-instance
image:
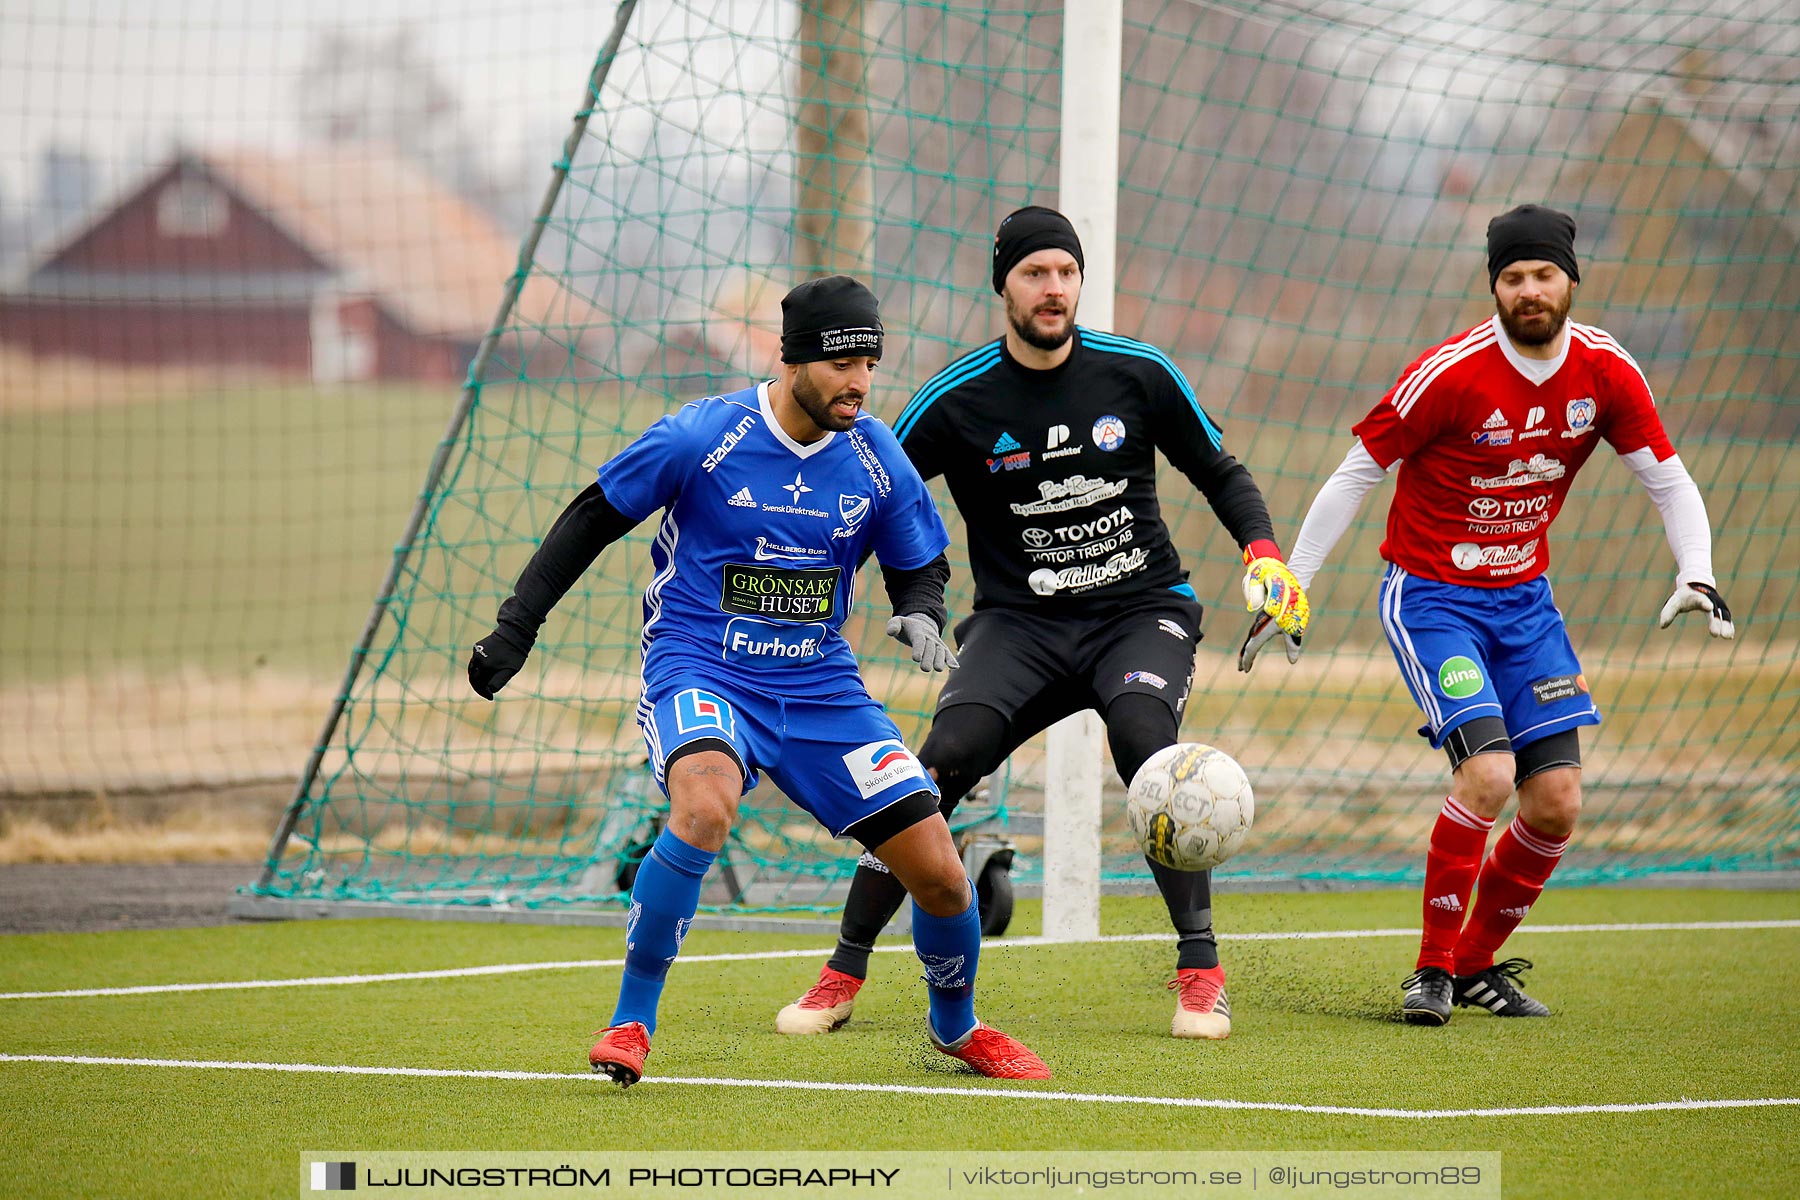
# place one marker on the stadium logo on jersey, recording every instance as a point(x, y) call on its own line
point(767, 551)
point(749, 640)
point(1077, 491)
point(876, 766)
point(1007, 444)
point(696, 709)
point(1496, 421)
point(717, 454)
point(1149, 677)
point(1469, 556)
point(1580, 414)
point(780, 593)
point(1109, 432)
point(742, 498)
point(1539, 468)
point(1036, 538)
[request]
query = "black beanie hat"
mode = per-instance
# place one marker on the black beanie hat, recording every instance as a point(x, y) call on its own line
point(831, 317)
point(1531, 231)
point(1027, 231)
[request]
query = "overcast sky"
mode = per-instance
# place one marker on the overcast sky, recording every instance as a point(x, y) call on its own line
point(126, 81)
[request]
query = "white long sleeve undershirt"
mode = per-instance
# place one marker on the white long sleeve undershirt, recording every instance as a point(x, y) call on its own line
point(1333, 509)
point(1677, 497)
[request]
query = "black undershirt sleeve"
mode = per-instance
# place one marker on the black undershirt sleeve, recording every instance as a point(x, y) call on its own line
point(920, 590)
point(589, 525)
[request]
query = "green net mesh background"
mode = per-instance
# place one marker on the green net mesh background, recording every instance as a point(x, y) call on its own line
point(1304, 190)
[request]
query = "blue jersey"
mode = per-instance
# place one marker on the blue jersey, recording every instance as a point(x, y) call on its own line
point(756, 558)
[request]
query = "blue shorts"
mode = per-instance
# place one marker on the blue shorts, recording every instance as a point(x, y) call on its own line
point(1468, 652)
point(837, 756)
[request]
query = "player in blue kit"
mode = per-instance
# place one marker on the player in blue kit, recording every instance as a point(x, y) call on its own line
point(772, 497)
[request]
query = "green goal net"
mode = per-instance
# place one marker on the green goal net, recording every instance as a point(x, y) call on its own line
point(1303, 191)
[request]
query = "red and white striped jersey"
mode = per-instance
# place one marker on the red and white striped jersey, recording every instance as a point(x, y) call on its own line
point(1489, 442)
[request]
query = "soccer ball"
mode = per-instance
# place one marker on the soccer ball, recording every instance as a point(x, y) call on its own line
point(1190, 806)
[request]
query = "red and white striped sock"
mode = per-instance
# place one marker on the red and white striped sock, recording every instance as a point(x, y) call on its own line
point(1510, 884)
point(1457, 841)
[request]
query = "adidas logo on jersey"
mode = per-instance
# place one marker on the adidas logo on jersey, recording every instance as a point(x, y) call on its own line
point(743, 499)
point(1516, 913)
point(1447, 903)
point(1497, 421)
point(1007, 444)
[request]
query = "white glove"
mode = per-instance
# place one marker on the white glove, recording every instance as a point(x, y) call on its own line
point(1699, 597)
point(921, 633)
point(1262, 629)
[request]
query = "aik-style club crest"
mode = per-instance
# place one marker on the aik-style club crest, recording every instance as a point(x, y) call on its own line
point(1580, 414)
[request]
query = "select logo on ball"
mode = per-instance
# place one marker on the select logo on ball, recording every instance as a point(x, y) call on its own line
point(1459, 678)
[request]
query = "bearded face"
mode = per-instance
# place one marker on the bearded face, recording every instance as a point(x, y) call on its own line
point(1533, 300)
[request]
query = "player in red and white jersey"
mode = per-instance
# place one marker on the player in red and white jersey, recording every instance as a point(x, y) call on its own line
point(1485, 433)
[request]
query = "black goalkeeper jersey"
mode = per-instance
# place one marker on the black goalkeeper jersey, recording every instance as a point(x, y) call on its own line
point(1054, 471)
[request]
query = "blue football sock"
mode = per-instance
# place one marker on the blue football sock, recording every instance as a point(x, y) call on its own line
point(949, 947)
point(662, 907)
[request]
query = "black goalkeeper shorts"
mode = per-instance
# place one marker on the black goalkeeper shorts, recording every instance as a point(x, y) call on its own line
point(1018, 662)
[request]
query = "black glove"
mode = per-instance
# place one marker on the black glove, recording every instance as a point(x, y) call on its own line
point(496, 658)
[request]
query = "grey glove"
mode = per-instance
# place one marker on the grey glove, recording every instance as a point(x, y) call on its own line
point(1262, 630)
point(921, 633)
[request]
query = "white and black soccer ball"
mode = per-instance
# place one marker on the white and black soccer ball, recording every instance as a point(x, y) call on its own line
point(1190, 806)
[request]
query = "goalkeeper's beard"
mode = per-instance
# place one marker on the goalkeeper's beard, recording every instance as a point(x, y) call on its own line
point(1024, 324)
point(1537, 333)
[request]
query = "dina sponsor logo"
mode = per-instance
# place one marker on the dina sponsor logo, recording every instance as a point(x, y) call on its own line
point(780, 593)
point(1077, 491)
point(876, 766)
point(750, 640)
point(717, 454)
point(1459, 678)
point(1539, 468)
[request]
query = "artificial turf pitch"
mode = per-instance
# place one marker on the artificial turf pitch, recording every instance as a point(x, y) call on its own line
point(1641, 1016)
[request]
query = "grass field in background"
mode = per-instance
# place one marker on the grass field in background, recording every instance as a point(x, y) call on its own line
point(1641, 1016)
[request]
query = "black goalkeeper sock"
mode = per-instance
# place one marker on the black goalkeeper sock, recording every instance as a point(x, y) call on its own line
point(1188, 895)
point(875, 896)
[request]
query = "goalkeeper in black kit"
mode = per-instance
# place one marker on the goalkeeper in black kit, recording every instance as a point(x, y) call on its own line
point(1047, 438)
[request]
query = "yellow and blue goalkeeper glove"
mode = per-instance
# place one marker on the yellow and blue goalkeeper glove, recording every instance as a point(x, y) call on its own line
point(1280, 605)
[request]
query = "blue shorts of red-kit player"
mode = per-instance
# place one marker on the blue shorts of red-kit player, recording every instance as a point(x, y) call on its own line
point(1467, 652)
point(838, 756)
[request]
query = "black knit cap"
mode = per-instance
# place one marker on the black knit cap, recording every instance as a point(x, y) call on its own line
point(833, 317)
point(1531, 231)
point(1027, 231)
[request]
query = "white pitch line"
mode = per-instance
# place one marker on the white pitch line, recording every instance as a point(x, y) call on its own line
point(766, 955)
point(1340, 1110)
